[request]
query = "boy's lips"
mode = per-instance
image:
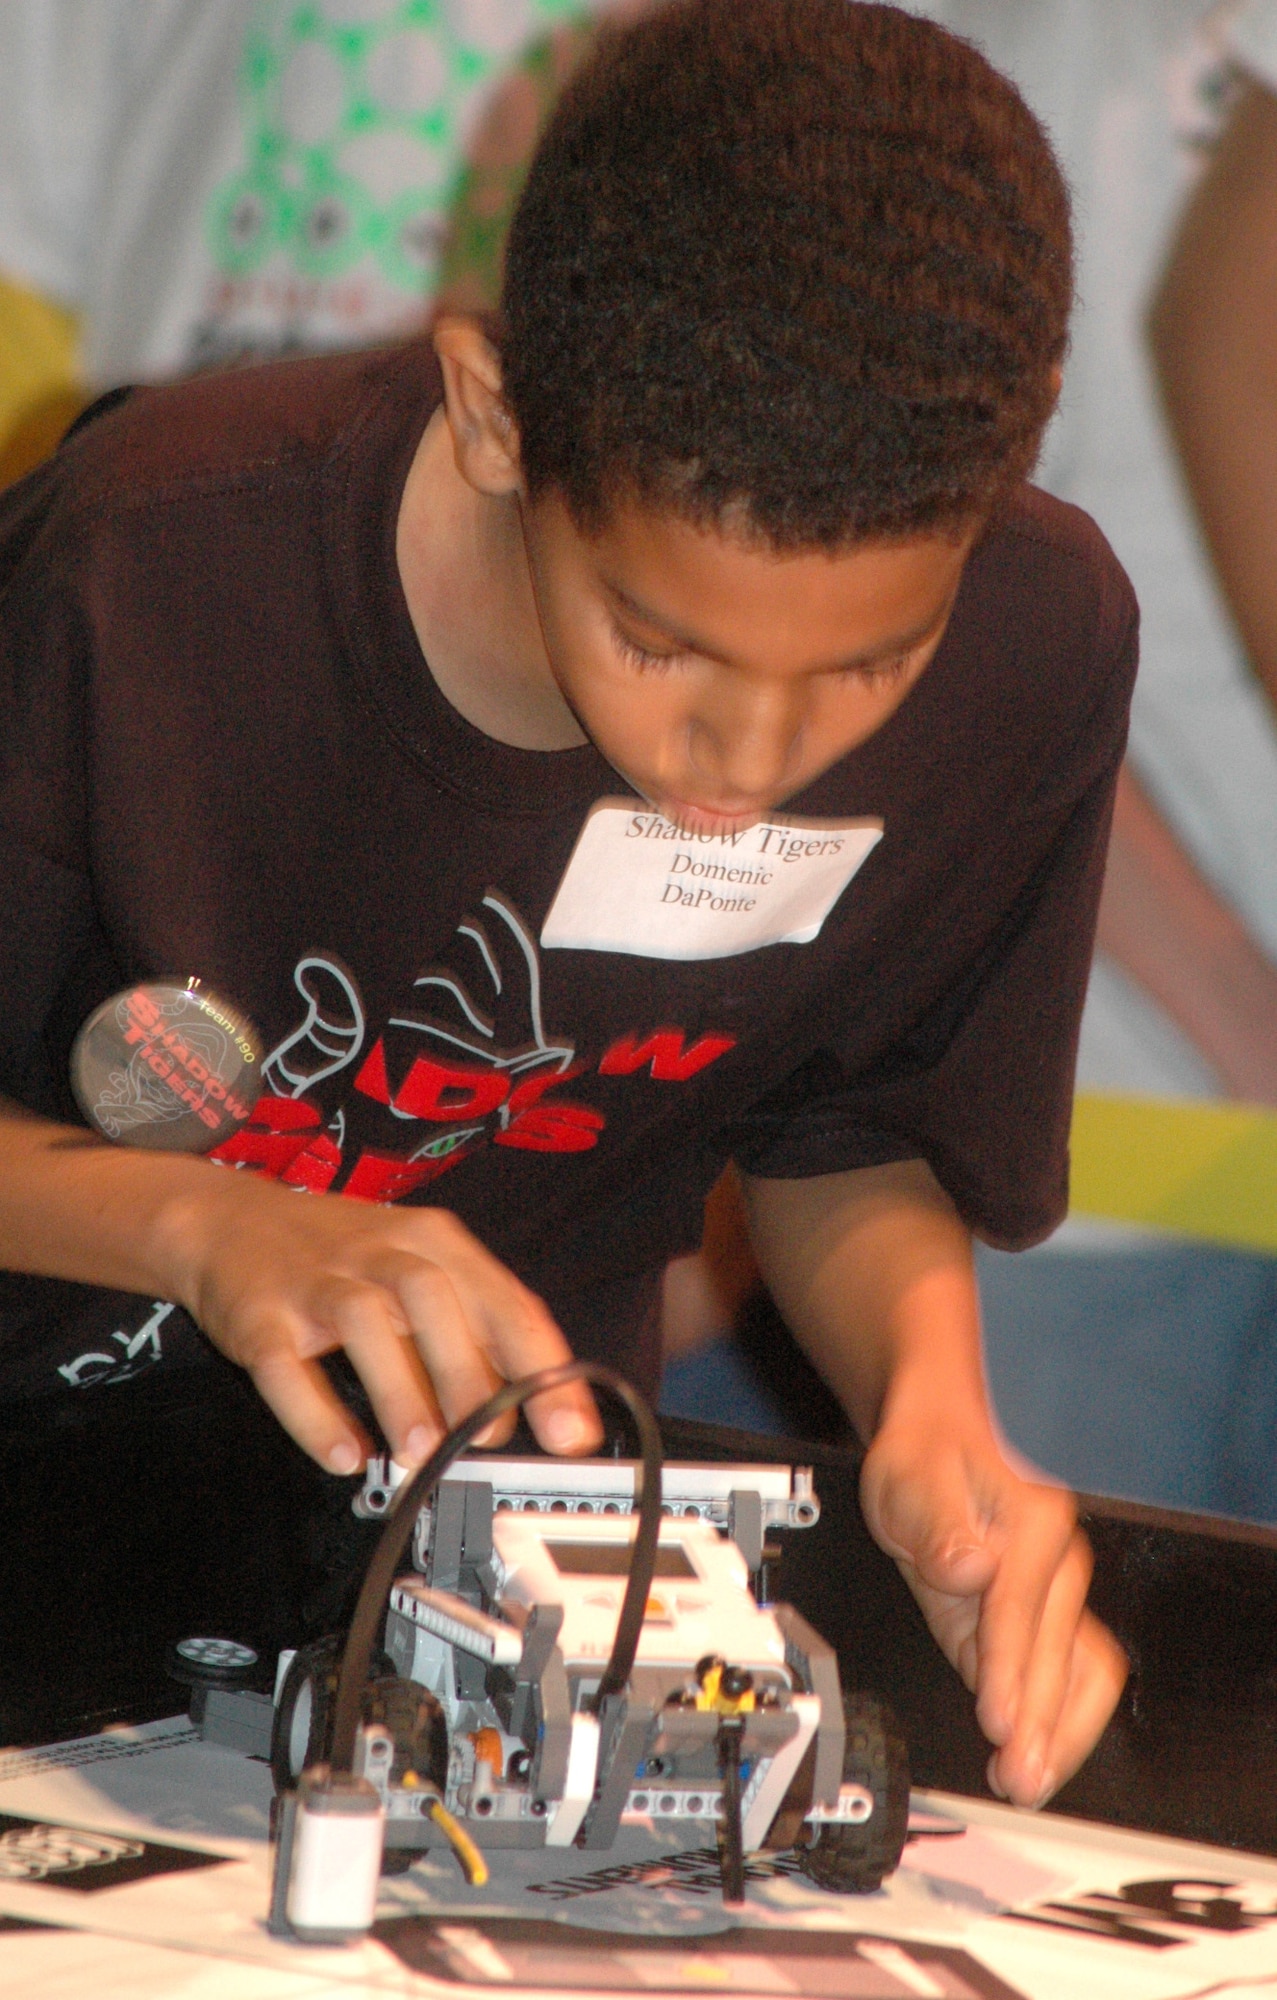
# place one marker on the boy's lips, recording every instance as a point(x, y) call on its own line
point(699, 818)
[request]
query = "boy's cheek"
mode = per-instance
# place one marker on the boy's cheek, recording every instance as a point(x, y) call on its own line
point(635, 731)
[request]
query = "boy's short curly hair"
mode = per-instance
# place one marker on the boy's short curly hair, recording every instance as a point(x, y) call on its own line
point(801, 267)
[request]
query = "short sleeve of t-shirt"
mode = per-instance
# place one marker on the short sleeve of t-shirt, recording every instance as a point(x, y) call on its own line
point(979, 1081)
point(44, 814)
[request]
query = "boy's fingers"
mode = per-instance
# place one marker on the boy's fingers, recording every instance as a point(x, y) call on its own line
point(1001, 1572)
point(371, 1320)
point(941, 1556)
point(1040, 1536)
point(444, 1335)
point(470, 1343)
point(430, 1336)
point(1098, 1671)
point(563, 1420)
point(566, 1420)
point(306, 1404)
point(1026, 1761)
point(944, 1553)
point(524, 1340)
point(519, 1336)
point(400, 1392)
point(927, 1523)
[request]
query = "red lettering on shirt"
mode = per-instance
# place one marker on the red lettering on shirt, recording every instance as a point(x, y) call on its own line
point(379, 1177)
point(434, 1090)
point(664, 1050)
point(560, 1127)
point(280, 1128)
point(315, 1167)
point(372, 1078)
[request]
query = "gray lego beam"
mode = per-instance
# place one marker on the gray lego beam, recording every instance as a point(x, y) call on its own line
point(745, 1525)
point(447, 1534)
point(626, 1729)
point(477, 1531)
point(549, 1774)
point(814, 1660)
point(236, 1719)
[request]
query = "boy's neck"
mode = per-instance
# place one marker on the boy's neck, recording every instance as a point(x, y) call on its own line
point(464, 571)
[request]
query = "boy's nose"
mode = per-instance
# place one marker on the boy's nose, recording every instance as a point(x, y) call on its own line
point(745, 743)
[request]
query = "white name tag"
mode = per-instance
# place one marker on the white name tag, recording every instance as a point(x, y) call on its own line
point(638, 883)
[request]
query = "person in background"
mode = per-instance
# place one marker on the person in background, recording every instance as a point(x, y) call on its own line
point(1123, 1361)
point(186, 184)
point(1213, 328)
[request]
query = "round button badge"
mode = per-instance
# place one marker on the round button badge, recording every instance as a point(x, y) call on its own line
point(169, 1065)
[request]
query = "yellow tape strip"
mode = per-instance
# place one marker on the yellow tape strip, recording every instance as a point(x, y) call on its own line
point(1207, 1170)
point(38, 351)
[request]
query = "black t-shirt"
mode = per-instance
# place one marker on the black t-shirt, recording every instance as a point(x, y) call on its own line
point(224, 756)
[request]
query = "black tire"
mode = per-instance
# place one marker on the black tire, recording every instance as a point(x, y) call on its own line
point(853, 1860)
point(417, 1725)
point(303, 1728)
point(302, 1732)
point(419, 1729)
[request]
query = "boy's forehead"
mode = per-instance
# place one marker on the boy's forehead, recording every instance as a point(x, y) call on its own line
point(725, 594)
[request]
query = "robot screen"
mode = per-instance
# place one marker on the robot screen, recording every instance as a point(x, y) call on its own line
point(613, 1558)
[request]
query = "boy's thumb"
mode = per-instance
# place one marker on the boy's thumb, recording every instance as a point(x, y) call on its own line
point(961, 1563)
point(929, 1525)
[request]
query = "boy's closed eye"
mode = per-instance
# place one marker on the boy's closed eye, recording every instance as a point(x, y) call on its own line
point(873, 673)
point(645, 659)
point(876, 674)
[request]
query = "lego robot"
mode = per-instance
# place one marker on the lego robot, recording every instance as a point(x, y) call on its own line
point(488, 1721)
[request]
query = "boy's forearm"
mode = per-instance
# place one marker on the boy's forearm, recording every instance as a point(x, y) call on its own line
point(873, 1272)
point(431, 1321)
point(73, 1207)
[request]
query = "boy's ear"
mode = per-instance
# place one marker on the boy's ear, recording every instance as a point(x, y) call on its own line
point(485, 442)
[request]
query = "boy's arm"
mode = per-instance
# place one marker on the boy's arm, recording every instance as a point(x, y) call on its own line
point(872, 1270)
point(431, 1321)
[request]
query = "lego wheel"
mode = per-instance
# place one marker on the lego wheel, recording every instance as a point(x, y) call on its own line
point(303, 1729)
point(213, 1663)
point(853, 1859)
point(417, 1726)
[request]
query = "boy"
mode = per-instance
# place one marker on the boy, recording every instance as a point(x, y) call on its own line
point(724, 527)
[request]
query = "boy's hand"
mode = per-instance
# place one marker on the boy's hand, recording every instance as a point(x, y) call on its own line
point(1000, 1569)
point(432, 1322)
point(873, 1271)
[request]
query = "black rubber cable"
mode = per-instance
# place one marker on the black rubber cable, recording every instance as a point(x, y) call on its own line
point(388, 1554)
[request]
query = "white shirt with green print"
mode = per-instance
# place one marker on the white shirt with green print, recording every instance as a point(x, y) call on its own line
point(210, 180)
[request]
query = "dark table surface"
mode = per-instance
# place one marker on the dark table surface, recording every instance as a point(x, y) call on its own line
point(182, 1508)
